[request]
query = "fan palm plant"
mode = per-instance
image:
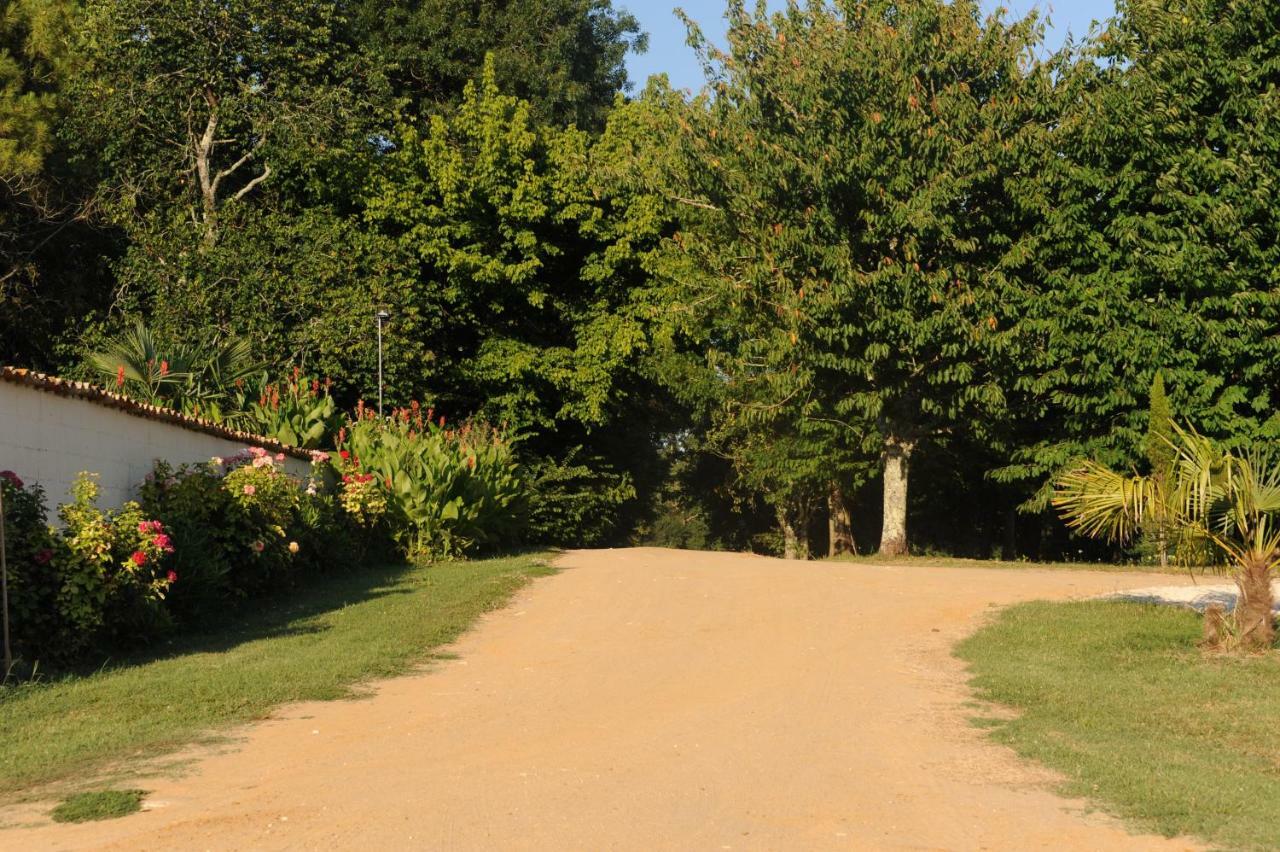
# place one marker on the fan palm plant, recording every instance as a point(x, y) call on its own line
point(1217, 506)
point(196, 378)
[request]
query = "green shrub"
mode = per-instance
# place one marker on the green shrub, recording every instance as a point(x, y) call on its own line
point(575, 503)
point(29, 551)
point(101, 579)
point(263, 506)
point(113, 571)
point(298, 412)
point(243, 526)
point(194, 508)
point(449, 491)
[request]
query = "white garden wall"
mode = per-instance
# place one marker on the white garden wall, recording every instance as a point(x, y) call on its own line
point(50, 430)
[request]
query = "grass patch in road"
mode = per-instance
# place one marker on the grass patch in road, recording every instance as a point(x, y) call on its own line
point(100, 804)
point(1117, 697)
point(320, 643)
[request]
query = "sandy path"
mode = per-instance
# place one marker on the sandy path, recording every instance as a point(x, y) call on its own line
point(648, 699)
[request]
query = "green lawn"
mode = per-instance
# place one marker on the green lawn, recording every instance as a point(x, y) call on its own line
point(319, 643)
point(1117, 697)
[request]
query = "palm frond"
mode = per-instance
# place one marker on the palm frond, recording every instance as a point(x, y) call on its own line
point(1100, 503)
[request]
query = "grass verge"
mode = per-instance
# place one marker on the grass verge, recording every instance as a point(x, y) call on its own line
point(99, 804)
point(1018, 565)
point(321, 643)
point(1117, 698)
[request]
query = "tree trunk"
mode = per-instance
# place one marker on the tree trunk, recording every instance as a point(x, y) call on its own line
point(1010, 550)
point(893, 532)
point(1255, 622)
point(790, 547)
point(793, 521)
point(839, 526)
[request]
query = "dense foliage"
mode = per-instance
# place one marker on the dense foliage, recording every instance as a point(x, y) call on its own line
point(889, 244)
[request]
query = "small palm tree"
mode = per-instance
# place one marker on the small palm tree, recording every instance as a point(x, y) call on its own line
point(193, 377)
point(1217, 506)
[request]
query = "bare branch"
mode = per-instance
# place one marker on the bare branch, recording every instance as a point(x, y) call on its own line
point(231, 169)
point(266, 170)
point(693, 202)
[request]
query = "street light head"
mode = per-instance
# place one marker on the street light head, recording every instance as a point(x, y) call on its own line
point(383, 316)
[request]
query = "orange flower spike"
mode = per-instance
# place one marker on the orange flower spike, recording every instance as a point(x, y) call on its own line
point(120, 376)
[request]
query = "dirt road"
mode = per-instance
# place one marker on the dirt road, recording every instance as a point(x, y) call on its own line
point(648, 699)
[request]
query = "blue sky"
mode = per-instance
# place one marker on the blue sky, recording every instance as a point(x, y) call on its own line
point(668, 52)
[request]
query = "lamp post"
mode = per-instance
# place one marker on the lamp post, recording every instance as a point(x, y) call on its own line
point(4, 596)
point(383, 316)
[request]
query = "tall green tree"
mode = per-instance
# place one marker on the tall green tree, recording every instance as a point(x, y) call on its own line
point(53, 265)
point(506, 253)
point(855, 169)
point(1158, 244)
point(504, 269)
point(565, 57)
point(35, 57)
point(189, 109)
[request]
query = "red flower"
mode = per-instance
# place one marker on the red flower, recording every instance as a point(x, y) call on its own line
point(163, 542)
point(344, 454)
point(43, 557)
point(388, 480)
point(164, 368)
point(138, 558)
point(173, 577)
point(12, 478)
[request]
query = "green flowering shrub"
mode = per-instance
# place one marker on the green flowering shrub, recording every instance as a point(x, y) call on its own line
point(264, 503)
point(113, 571)
point(298, 412)
point(449, 491)
point(362, 497)
point(245, 527)
point(100, 579)
point(193, 506)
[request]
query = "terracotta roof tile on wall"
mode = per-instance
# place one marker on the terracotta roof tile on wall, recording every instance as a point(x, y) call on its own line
point(107, 399)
